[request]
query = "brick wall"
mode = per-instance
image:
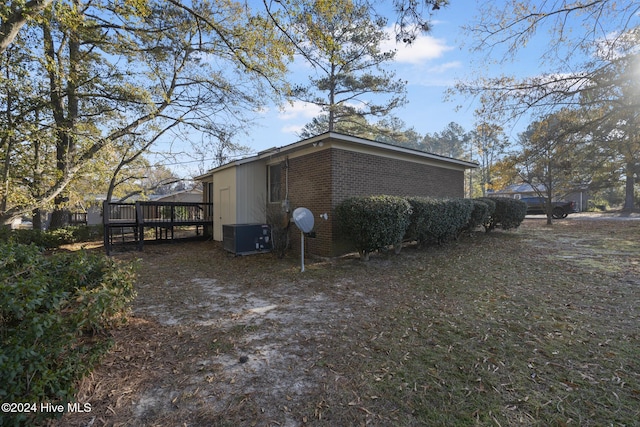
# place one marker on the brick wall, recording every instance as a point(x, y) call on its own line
point(360, 174)
point(310, 187)
point(321, 180)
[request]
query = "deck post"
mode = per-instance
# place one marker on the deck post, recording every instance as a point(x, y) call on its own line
point(140, 225)
point(105, 225)
point(173, 217)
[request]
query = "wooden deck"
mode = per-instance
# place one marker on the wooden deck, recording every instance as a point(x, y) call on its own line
point(125, 223)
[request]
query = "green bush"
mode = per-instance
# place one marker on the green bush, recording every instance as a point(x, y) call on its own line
point(373, 222)
point(598, 205)
point(86, 233)
point(508, 214)
point(489, 202)
point(50, 239)
point(481, 213)
point(437, 220)
point(43, 239)
point(54, 315)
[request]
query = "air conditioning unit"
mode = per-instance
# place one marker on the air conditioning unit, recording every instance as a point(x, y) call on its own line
point(244, 239)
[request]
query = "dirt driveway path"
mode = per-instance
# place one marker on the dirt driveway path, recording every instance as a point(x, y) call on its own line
point(220, 337)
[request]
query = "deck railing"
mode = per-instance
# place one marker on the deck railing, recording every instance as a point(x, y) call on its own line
point(78, 218)
point(126, 221)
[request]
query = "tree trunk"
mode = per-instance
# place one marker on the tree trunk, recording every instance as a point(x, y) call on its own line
point(548, 207)
point(332, 98)
point(65, 124)
point(17, 18)
point(59, 218)
point(629, 191)
point(6, 142)
point(36, 219)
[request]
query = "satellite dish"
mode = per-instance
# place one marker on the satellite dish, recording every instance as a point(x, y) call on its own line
point(303, 219)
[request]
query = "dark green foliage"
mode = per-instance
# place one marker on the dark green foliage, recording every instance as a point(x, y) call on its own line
point(51, 238)
point(54, 313)
point(489, 202)
point(438, 220)
point(86, 233)
point(43, 239)
point(481, 213)
point(373, 222)
point(508, 214)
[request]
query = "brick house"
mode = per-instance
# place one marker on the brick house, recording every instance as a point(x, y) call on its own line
point(318, 173)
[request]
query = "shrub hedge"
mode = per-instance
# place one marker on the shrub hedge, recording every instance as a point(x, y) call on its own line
point(508, 213)
point(481, 213)
point(373, 222)
point(54, 312)
point(50, 239)
point(437, 220)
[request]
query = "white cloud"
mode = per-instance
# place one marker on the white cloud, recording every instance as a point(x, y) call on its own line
point(447, 66)
point(434, 81)
point(296, 112)
point(423, 48)
point(299, 109)
point(436, 75)
point(294, 129)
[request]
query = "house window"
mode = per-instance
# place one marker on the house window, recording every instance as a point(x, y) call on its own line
point(275, 189)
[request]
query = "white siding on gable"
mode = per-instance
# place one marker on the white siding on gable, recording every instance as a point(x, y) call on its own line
point(224, 210)
point(252, 193)
point(239, 196)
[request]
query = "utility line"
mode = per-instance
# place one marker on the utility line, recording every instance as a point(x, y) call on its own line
point(202, 160)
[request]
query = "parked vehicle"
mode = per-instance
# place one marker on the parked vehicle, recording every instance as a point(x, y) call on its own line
point(559, 209)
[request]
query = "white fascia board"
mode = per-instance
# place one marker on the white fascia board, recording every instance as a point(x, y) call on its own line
point(339, 137)
point(362, 142)
point(231, 164)
point(403, 150)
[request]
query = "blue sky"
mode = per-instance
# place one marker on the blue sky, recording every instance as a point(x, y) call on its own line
point(430, 66)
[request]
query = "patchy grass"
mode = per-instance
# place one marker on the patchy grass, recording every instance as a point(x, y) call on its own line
point(534, 327)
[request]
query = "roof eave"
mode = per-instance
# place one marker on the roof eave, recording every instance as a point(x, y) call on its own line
point(343, 138)
point(366, 142)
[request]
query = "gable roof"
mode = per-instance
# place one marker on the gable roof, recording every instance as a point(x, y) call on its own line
point(349, 140)
point(195, 191)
